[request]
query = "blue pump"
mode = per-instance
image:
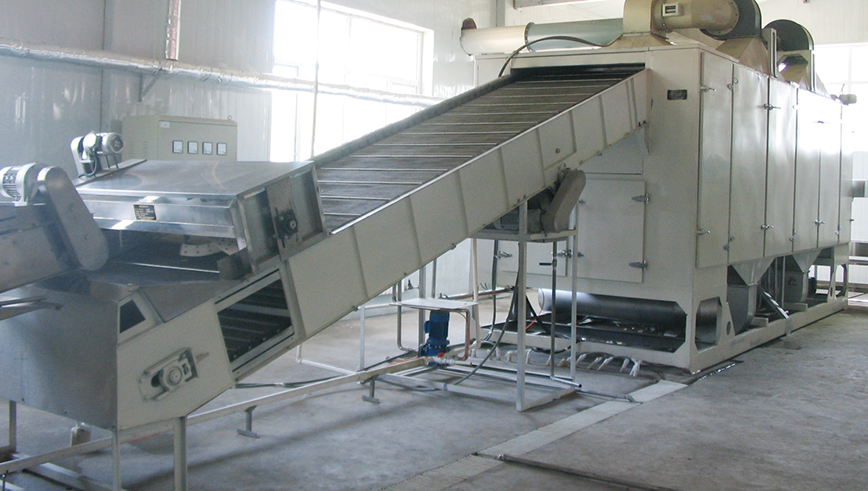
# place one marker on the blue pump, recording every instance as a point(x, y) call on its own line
point(437, 328)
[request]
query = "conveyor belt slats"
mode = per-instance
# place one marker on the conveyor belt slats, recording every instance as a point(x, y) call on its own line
point(455, 136)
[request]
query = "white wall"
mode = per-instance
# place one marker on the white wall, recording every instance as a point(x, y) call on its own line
point(45, 104)
point(589, 10)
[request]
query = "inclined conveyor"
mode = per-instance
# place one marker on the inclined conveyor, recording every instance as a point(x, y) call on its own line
point(217, 268)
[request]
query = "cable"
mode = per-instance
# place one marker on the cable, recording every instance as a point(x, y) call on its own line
point(548, 38)
point(513, 308)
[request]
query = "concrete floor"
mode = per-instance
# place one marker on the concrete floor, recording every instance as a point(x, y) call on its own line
point(790, 415)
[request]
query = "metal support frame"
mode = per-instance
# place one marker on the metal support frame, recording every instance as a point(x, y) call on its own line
point(12, 436)
point(179, 434)
point(248, 424)
point(179, 428)
point(431, 304)
point(523, 238)
point(396, 301)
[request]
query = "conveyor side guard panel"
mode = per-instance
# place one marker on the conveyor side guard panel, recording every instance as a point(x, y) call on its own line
point(406, 194)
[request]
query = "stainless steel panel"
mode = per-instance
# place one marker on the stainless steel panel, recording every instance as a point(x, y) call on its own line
point(381, 270)
point(62, 361)
point(747, 192)
point(714, 161)
point(557, 140)
point(30, 255)
point(190, 179)
point(611, 230)
point(830, 175)
point(846, 209)
point(431, 228)
point(809, 134)
point(780, 184)
point(295, 214)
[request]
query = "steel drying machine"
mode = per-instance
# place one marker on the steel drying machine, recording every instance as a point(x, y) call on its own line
point(211, 269)
point(715, 182)
point(725, 221)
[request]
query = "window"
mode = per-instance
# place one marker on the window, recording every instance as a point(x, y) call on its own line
point(356, 49)
point(843, 69)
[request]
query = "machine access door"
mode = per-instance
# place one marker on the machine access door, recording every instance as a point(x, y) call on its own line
point(714, 154)
point(747, 188)
point(781, 182)
point(830, 176)
point(611, 230)
point(809, 119)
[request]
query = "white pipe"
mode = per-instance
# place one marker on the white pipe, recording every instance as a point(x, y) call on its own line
point(640, 16)
point(173, 29)
point(117, 61)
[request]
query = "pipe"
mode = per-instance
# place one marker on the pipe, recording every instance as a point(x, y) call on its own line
point(506, 39)
point(718, 17)
point(117, 61)
point(173, 29)
point(631, 310)
point(601, 32)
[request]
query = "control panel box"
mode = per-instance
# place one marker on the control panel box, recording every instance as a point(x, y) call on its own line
point(158, 137)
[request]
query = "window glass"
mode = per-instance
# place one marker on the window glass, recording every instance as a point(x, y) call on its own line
point(843, 70)
point(356, 49)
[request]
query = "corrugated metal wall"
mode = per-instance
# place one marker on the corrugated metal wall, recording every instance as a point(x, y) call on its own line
point(46, 104)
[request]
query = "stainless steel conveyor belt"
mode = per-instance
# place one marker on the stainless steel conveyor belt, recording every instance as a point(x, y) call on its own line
point(398, 198)
point(357, 181)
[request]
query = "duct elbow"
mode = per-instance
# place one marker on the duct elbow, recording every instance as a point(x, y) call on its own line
point(720, 19)
point(716, 16)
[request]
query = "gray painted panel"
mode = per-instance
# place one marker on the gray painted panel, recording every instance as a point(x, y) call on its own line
point(62, 361)
point(747, 194)
point(714, 161)
point(780, 185)
point(611, 230)
point(830, 175)
point(807, 171)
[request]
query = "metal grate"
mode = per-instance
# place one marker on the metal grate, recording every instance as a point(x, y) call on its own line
point(370, 177)
point(255, 320)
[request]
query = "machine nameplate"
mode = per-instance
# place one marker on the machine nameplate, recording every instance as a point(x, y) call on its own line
point(145, 212)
